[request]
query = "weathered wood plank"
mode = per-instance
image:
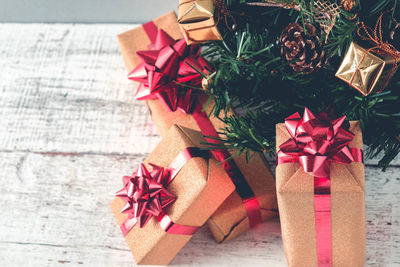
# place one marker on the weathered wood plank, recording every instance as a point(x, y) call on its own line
point(55, 209)
point(64, 88)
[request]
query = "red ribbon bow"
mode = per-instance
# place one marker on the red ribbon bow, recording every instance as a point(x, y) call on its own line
point(145, 194)
point(166, 68)
point(316, 142)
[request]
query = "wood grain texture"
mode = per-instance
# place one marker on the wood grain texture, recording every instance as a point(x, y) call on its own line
point(69, 130)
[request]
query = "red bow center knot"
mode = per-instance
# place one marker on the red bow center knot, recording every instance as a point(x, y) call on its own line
point(315, 142)
point(166, 68)
point(145, 194)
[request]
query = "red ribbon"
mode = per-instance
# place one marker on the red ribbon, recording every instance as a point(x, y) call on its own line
point(315, 142)
point(185, 102)
point(167, 69)
point(146, 195)
point(242, 187)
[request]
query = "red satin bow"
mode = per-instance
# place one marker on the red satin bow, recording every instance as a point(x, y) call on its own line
point(316, 141)
point(145, 194)
point(165, 69)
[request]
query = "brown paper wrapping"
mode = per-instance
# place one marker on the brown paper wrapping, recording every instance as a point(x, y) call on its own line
point(137, 40)
point(372, 71)
point(196, 20)
point(295, 191)
point(230, 219)
point(200, 188)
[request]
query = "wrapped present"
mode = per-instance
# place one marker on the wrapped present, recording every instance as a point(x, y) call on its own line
point(369, 70)
point(169, 197)
point(161, 75)
point(197, 22)
point(320, 187)
point(141, 38)
point(366, 70)
point(232, 218)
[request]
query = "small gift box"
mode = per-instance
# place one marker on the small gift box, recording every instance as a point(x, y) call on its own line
point(196, 20)
point(171, 195)
point(232, 218)
point(320, 188)
point(367, 70)
point(163, 73)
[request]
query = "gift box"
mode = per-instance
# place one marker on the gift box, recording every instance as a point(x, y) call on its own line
point(232, 218)
point(322, 220)
point(197, 190)
point(139, 38)
point(196, 20)
point(367, 70)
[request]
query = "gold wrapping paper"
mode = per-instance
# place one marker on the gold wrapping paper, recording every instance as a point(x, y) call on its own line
point(196, 20)
point(200, 188)
point(230, 219)
point(371, 71)
point(295, 190)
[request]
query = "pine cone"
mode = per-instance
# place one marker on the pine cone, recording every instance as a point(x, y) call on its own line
point(302, 48)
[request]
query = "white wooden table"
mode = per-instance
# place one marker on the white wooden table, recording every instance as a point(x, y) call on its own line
point(69, 130)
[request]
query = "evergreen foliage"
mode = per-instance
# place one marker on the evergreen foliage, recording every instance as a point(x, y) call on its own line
point(252, 75)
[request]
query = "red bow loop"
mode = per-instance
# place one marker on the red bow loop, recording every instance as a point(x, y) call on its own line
point(145, 194)
point(316, 140)
point(166, 69)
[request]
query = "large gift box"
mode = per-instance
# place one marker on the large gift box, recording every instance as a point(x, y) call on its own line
point(322, 219)
point(158, 230)
point(231, 218)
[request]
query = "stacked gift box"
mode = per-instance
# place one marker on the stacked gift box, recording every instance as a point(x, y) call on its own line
point(184, 183)
point(248, 196)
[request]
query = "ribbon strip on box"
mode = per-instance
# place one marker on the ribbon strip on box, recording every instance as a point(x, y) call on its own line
point(167, 70)
point(146, 195)
point(315, 142)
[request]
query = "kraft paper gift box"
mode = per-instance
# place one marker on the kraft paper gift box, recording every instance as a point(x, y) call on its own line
point(230, 219)
point(200, 188)
point(137, 40)
point(295, 190)
point(197, 22)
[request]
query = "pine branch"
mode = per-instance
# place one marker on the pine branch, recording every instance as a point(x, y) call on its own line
point(252, 75)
